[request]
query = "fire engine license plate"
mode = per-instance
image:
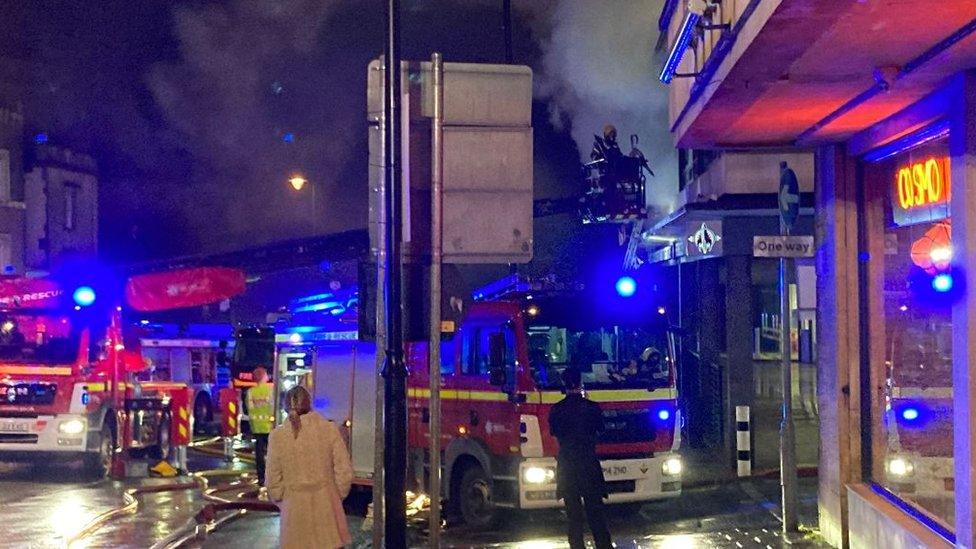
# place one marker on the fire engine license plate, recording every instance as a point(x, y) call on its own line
point(626, 470)
point(14, 426)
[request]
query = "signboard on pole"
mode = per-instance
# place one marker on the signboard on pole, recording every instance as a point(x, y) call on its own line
point(789, 196)
point(782, 246)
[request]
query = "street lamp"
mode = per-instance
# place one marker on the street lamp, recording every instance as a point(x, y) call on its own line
point(297, 182)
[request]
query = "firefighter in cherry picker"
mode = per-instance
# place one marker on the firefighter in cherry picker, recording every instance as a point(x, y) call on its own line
point(260, 411)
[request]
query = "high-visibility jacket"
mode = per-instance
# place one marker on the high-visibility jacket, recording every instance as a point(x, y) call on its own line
point(260, 407)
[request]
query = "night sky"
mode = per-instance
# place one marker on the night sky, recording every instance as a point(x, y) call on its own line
point(198, 112)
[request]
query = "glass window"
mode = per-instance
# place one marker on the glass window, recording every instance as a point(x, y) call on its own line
point(907, 304)
point(447, 357)
point(476, 345)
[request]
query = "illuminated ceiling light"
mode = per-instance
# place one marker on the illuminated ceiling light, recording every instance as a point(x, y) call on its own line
point(7, 327)
point(532, 310)
point(626, 286)
point(909, 414)
point(903, 308)
point(942, 283)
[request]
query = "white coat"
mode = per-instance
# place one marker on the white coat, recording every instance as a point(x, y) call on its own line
point(308, 477)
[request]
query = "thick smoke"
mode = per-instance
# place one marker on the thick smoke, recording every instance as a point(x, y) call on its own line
point(599, 67)
point(264, 90)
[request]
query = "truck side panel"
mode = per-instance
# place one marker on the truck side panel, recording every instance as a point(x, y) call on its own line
point(345, 392)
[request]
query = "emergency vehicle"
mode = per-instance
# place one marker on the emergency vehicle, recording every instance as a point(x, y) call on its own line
point(190, 354)
point(500, 371)
point(70, 364)
point(67, 387)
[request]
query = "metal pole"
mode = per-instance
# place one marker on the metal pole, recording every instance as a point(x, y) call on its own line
point(394, 372)
point(787, 434)
point(434, 341)
point(380, 361)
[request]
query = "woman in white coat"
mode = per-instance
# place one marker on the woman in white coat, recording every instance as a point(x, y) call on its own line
point(308, 475)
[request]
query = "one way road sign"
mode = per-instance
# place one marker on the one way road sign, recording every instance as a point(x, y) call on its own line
point(782, 246)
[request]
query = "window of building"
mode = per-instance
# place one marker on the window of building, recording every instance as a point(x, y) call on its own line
point(70, 205)
point(907, 293)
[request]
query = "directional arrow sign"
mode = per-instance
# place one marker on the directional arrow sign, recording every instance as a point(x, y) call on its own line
point(789, 196)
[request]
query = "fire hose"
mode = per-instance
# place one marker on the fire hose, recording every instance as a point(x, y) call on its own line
point(206, 517)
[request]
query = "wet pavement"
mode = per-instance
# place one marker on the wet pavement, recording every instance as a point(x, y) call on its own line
point(47, 506)
point(733, 515)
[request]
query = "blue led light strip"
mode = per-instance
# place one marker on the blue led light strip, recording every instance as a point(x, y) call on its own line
point(680, 45)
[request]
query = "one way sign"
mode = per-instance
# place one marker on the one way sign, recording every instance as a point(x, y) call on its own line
point(789, 196)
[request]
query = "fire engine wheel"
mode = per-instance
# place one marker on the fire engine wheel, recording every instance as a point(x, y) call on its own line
point(99, 464)
point(475, 499)
point(162, 447)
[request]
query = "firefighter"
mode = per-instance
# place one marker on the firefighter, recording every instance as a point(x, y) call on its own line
point(577, 422)
point(260, 411)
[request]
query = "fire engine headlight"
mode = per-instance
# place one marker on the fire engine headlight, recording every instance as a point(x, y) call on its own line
point(71, 427)
point(671, 466)
point(539, 475)
point(900, 467)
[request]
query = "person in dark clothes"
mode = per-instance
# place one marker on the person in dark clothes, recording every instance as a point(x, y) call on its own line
point(577, 422)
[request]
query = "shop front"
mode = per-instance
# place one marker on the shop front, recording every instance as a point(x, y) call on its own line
point(896, 207)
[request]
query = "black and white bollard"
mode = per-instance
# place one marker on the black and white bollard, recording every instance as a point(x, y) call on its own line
point(743, 445)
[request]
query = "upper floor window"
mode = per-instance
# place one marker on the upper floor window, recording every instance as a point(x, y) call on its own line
point(70, 205)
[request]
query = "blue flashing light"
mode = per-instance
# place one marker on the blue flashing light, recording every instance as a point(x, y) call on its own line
point(942, 283)
point(664, 415)
point(40, 138)
point(288, 137)
point(626, 286)
point(685, 34)
point(84, 296)
point(909, 414)
point(85, 399)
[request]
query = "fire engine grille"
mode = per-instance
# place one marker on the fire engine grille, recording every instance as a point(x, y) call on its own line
point(27, 393)
point(17, 438)
point(622, 426)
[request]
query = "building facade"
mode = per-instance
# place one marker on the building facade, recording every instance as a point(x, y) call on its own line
point(885, 94)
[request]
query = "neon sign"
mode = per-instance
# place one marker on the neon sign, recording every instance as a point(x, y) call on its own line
point(923, 183)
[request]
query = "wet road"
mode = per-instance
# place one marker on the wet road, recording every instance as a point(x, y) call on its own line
point(735, 515)
point(46, 506)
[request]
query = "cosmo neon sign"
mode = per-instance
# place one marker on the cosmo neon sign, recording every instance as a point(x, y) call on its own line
point(923, 183)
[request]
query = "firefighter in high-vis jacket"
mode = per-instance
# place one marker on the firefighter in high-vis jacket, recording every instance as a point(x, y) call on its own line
point(260, 411)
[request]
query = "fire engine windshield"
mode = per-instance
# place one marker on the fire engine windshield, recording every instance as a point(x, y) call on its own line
point(44, 339)
point(609, 357)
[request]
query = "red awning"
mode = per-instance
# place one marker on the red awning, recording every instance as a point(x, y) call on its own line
point(183, 288)
point(29, 293)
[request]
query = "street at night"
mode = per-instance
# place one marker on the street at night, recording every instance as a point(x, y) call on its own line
point(531, 274)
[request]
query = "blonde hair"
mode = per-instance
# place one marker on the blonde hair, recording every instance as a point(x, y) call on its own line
point(299, 404)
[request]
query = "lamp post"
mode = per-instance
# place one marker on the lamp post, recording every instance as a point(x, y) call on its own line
point(298, 182)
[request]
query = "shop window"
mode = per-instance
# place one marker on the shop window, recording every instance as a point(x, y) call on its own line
point(908, 289)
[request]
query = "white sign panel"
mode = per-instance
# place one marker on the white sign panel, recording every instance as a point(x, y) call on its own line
point(782, 246)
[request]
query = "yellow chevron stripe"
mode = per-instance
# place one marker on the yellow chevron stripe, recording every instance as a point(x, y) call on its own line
point(184, 413)
point(36, 370)
point(183, 430)
point(232, 407)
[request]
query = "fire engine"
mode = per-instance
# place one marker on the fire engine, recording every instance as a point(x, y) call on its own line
point(70, 364)
point(500, 372)
point(67, 387)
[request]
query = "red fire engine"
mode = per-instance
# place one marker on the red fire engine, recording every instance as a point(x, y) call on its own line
point(68, 365)
point(500, 376)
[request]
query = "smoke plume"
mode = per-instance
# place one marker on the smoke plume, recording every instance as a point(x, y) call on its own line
point(599, 67)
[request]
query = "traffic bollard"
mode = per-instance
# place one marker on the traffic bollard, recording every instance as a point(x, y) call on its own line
point(181, 428)
point(230, 420)
point(743, 444)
